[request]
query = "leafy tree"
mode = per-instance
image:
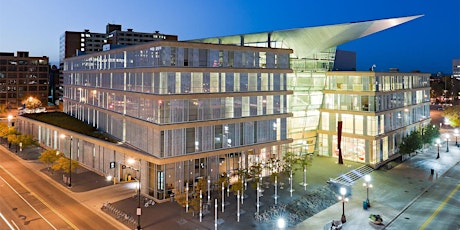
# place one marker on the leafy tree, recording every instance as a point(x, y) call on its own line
point(63, 164)
point(289, 160)
point(453, 114)
point(32, 103)
point(223, 179)
point(238, 185)
point(255, 172)
point(26, 140)
point(274, 167)
point(195, 201)
point(410, 143)
point(49, 156)
point(3, 108)
point(429, 133)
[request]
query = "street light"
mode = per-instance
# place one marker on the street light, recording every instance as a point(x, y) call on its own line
point(10, 118)
point(438, 143)
point(447, 142)
point(456, 135)
point(70, 160)
point(343, 192)
point(138, 210)
point(367, 185)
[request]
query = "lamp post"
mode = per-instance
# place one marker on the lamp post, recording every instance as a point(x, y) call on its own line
point(438, 143)
point(343, 192)
point(138, 210)
point(456, 135)
point(367, 185)
point(70, 159)
point(447, 143)
point(10, 118)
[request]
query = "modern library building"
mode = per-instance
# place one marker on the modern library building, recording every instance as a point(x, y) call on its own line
point(201, 108)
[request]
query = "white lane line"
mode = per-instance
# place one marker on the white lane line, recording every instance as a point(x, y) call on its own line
point(15, 225)
point(6, 221)
point(11, 187)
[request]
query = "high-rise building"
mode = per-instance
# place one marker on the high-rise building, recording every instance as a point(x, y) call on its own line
point(456, 69)
point(21, 77)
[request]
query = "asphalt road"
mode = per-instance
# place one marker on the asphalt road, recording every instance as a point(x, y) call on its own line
point(21, 209)
point(55, 208)
point(437, 208)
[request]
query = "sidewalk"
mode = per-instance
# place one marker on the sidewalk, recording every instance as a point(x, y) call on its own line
point(393, 190)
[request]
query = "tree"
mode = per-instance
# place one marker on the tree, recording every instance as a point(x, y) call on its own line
point(410, 143)
point(49, 157)
point(32, 103)
point(452, 113)
point(63, 164)
point(274, 167)
point(195, 201)
point(26, 140)
point(429, 133)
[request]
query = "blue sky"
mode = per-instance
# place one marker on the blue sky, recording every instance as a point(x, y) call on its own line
point(427, 44)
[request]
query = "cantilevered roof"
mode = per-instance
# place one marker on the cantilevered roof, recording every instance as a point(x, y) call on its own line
point(309, 40)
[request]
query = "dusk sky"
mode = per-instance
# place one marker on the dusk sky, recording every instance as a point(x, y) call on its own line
point(427, 44)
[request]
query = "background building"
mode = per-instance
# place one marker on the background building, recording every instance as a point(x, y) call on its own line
point(22, 77)
point(345, 60)
point(456, 68)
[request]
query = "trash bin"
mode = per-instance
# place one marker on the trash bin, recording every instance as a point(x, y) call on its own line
point(432, 171)
point(365, 205)
point(172, 197)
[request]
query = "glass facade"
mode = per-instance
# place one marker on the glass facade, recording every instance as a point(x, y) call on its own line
point(196, 105)
point(377, 110)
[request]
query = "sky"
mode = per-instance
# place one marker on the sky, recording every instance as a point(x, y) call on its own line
point(427, 44)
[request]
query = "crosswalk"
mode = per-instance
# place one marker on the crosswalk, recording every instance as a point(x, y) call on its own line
point(350, 177)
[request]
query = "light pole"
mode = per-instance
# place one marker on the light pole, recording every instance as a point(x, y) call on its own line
point(447, 143)
point(438, 143)
point(70, 160)
point(456, 135)
point(343, 192)
point(367, 185)
point(10, 118)
point(138, 210)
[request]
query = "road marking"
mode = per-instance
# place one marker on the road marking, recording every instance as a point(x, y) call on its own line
point(440, 207)
point(24, 199)
point(6, 221)
point(38, 198)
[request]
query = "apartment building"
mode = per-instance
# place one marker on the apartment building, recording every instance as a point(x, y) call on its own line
point(21, 77)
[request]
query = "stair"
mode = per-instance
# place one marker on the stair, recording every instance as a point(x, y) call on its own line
point(350, 177)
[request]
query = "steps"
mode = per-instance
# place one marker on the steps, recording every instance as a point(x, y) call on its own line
point(350, 177)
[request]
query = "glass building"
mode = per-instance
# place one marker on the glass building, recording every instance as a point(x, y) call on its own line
point(314, 50)
point(196, 109)
point(377, 110)
point(193, 110)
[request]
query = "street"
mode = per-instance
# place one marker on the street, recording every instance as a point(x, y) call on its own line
point(437, 208)
point(55, 208)
point(21, 209)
